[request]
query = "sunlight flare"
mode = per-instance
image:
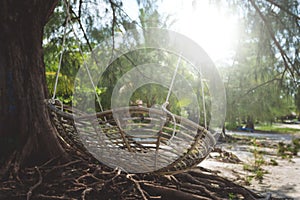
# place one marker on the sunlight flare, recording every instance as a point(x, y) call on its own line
point(210, 25)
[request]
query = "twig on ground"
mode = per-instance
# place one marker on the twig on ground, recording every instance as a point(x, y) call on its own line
point(49, 161)
point(66, 164)
point(87, 175)
point(29, 193)
point(118, 172)
point(53, 197)
point(136, 182)
point(87, 190)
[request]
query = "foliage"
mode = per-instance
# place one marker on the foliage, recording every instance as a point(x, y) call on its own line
point(261, 85)
point(85, 40)
point(288, 150)
point(231, 196)
point(276, 129)
point(91, 23)
point(263, 80)
point(297, 101)
point(256, 166)
point(273, 162)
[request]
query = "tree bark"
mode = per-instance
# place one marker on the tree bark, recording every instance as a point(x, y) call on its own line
point(250, 123)
point(24, 117)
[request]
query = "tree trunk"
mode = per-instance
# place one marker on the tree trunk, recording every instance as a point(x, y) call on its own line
point(250, 123)
point(24, 117)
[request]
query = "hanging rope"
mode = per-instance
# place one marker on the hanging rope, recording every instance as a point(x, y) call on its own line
point(203, 100)
point(164, 106)
point(85, 65)
point(68, 21)
point(62, 52)
point(173, 79)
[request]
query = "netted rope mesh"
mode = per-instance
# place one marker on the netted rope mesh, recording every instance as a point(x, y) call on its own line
point(146, 140)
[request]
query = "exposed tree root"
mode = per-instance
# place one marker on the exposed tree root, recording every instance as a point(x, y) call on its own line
point(83, 178)
point(171, 193)
point(7, 165)
point(29, 193)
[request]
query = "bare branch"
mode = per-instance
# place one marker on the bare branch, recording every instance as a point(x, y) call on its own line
point(114, 21)
point(79, 9)
point(262, 84)
point(284, 9)
point(82, 29)
point(256, 87)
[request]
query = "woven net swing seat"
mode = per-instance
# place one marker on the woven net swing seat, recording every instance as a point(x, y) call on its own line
point(132, 138)
point(141, 142)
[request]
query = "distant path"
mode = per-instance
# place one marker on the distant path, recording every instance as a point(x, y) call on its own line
point(271, 136)
point(294, 126)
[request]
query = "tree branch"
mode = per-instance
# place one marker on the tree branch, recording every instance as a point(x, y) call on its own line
point(82, 29)
point(262, 84)
point(284, 9)
point(254, 88)
point(51, 10)
point(79, 9)
point(114, 21)
point(287, 62)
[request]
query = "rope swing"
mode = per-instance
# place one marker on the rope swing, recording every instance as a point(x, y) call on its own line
point(146, 140)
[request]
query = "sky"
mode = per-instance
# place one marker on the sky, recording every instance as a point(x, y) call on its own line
point(215, 29)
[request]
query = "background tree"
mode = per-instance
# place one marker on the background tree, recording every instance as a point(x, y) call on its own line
point(264, 77)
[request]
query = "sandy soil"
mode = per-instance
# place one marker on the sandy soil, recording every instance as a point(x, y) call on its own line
point(281, 181)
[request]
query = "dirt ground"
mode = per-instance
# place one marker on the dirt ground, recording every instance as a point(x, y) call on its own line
point(281, 178)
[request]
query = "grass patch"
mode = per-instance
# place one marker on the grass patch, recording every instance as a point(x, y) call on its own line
point(276, 129)
point(231, 196)
point(273, 162)
point(288, 150)
point(256, 166)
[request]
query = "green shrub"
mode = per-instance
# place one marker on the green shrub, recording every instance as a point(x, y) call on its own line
point(259, 174)
point(273, 162)
point(288, 150)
